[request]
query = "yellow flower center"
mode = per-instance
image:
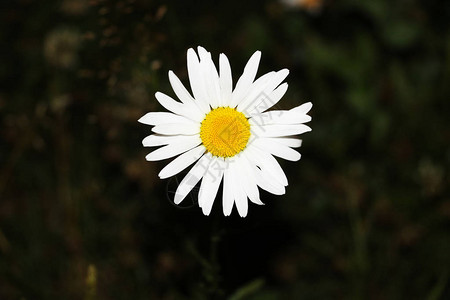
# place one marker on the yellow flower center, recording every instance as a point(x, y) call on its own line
point(225, 132)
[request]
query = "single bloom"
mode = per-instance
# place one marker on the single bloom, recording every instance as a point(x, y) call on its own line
point(228, 133)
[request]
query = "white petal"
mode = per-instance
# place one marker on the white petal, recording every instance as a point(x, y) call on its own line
point(159, 140)
point(279, 130)
point(279, 117)
point(277, 80)
point(178, 128)
point(210, 76)
point(266, 180)
point(173, 149)
point(267, 162)
point(210, 185)
point(155, 118)
point(277, 149)
point(178, 108)
point(255, 94)
point(192, 178)
point(290, 142)
point(261, 91)
point(228, 198)
point(182, 162)
point(225, 80)
point(179, 89)
point(303, 109)
point(202, 52)
point(270, 100)
point(247, 78)
point(196, 79)
point(246, 177)
point(269, 183)
point(183, 94)
point(239, 195)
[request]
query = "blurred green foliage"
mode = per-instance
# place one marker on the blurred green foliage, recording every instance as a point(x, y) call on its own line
point(84, 216)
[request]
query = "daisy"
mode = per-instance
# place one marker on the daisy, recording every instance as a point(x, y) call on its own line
point(228, 133)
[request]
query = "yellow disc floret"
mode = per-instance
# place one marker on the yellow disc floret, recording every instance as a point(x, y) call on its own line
point(225, 132)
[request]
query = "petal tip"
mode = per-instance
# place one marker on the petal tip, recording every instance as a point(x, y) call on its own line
point(284, 72)
point(307, 106)
point(201, 49)
point(162, 175)
point(178, 198)
point(141, 120)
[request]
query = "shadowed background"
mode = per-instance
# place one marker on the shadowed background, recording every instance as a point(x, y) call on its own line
point(367, 210)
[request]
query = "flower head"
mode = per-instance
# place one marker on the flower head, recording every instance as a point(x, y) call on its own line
point(228, 133)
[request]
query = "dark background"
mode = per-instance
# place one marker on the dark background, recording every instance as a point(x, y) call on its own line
point(84, 216)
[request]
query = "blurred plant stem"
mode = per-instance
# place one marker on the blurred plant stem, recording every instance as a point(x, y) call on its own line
point(5, 246)
point(360, 260)
point(16, 153)
point(248, 289)
point(63, 140)
point(437, 291)
point(91, 283)
point(210, 287)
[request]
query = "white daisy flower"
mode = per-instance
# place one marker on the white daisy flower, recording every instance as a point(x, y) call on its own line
point(226, 132)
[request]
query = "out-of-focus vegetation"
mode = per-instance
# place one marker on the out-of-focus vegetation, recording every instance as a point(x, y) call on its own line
point(84, 216)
